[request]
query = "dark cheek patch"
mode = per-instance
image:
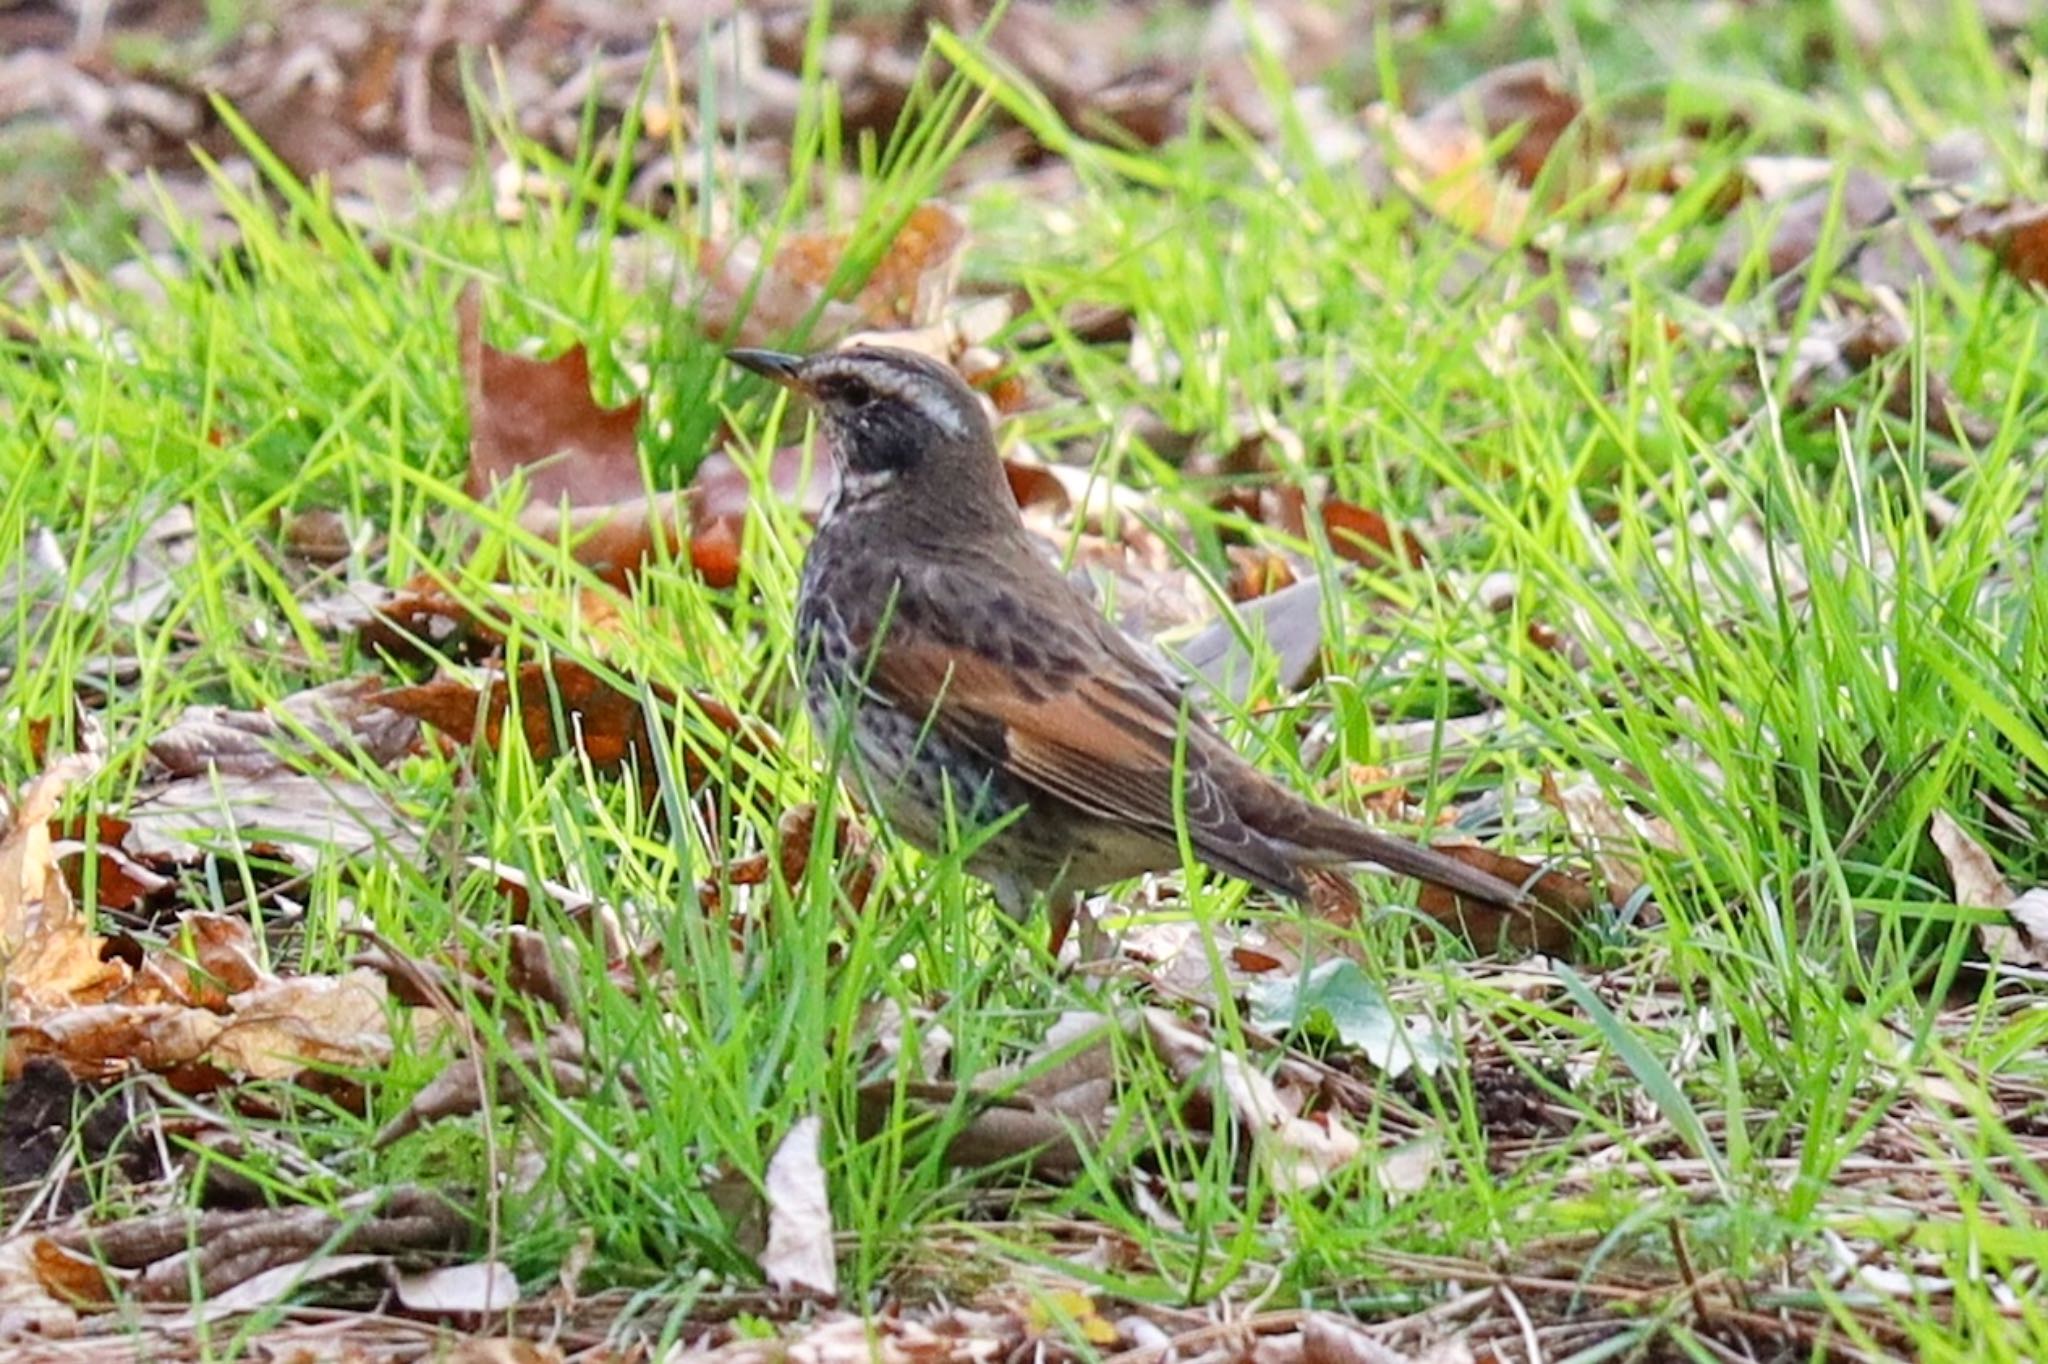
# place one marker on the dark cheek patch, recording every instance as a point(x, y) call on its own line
point(882, 440)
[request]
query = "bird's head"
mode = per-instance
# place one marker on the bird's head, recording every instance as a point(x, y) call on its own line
point(904, 430)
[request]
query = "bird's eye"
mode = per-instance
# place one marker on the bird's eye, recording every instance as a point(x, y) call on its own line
point(852, 392)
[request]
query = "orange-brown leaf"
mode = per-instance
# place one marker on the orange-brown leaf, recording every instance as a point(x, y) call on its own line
point(538, 417)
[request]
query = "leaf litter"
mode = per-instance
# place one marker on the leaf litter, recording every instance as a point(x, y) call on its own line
point(1491, 163)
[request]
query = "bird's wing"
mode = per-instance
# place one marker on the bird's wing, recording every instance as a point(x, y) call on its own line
point(1102, 737)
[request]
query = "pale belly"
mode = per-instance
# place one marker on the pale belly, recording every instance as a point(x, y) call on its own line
point(939, 796)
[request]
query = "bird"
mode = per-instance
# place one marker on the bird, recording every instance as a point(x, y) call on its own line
point(976, 688)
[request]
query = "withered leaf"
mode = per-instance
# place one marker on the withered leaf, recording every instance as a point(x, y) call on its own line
point(538, 418)
point(31, 891)
point(255, 743)
point(909, 287)
point(2015, 234)
point(1299, 1153)
point(282, 1026)
point(800, 1255)
point(1562, 902)
point(466, 1289)
point(1530, 96)
point(1364, 536)
point(605, 723)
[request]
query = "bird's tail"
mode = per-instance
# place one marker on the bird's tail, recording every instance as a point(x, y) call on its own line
point(1321, 838)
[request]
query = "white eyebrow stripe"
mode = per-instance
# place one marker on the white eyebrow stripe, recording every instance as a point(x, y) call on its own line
point(913, 390)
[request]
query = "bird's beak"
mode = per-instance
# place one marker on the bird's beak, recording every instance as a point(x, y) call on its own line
point(774, 365)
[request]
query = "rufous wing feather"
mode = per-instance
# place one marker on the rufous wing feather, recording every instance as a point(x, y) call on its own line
point(1105, 748)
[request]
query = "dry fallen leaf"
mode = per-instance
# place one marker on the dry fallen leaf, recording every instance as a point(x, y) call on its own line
point(31, 1307)
point(208, 958)
point(2015, 234)
point(1608, 833)
point(1327, 1338)
point(800, 1256)
point(502, 1350)
point(603, 722)
point(909, 287)
point(1792, 233)
point(1971, 871)
point(299, 819)
point(1297, 1153)
point(1561, 902)
point(537, 418)
point(49, 955)
point(2023, 939)
point(721, 494)
point(341, 715)
point(468, 1289)
point(282, 1026)
point(31, 890)
point(584, 488)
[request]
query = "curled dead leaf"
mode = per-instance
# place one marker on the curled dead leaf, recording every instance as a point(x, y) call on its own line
point(800, 1256)
point(1561, 903)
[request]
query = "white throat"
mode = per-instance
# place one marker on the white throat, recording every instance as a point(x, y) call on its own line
point(851, 489)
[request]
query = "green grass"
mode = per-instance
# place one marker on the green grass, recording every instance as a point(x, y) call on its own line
point(1718, 1076)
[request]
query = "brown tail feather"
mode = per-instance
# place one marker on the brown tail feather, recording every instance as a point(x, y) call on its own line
point(1315, 837)
point(1355, 843)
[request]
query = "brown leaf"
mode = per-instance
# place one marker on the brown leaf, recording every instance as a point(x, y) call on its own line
point(2023, 938)
point(119, 881)
point(615, 540)
point(299, 820)
point(1975, 876)
point(604, 723)
point(1529, 95)
point(721, 493)
point(1562, 903)
point(1257, 572)
point(464, 1086)
point(211, 957)
point(853, 855)
point(2016, 235)
point(502, 1350)
point(76, 1279)
point(49, 956)
point(1442, 165)
point(715, 554)
point(30, 1307)
point(911, 283)
point(319, 535)
point(280, 1027)
point(424, 616)
point(1364, 537)
point(722, 490)
point(102, 1041)
point(1610, 835)
point(1866, 201)
point(341, 715)
point(31, 891)
point(1299, 1153)
point(909, 287)
point(1327, 1338)
point(1034, 485)
point(2029, 915)
point(537, 417)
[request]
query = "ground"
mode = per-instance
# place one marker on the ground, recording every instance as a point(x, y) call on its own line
point(1600, 439)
